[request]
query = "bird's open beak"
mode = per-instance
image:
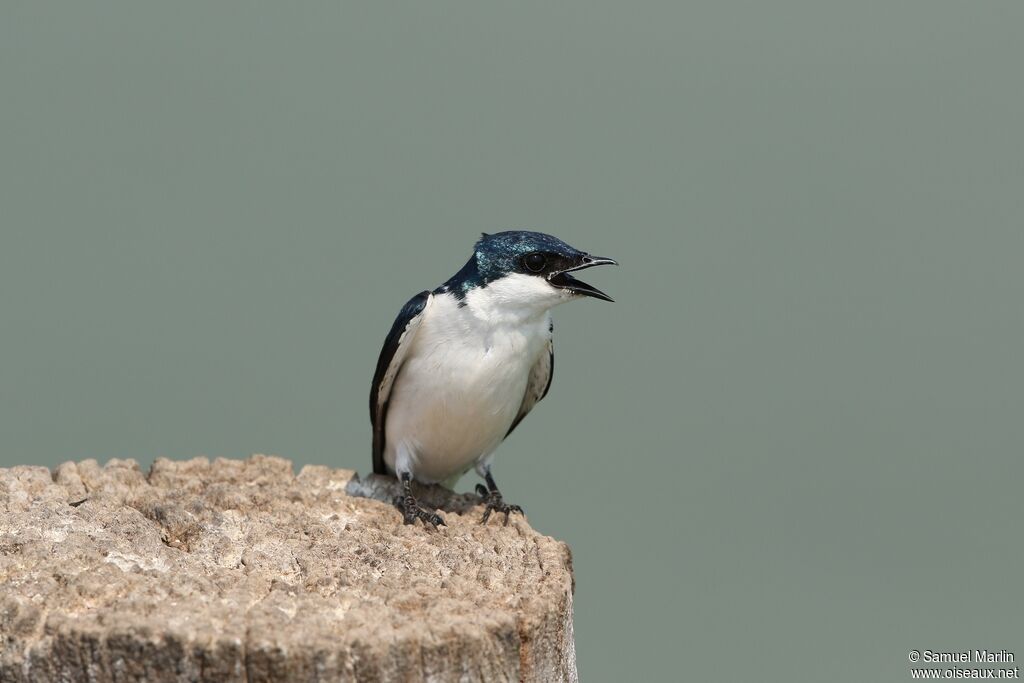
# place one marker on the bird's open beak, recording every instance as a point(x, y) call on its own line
point(563, 280)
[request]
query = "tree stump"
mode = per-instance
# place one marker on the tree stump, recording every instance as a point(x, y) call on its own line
point(242, 571)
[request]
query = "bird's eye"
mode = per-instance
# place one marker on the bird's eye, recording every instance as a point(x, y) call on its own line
point(535, 261)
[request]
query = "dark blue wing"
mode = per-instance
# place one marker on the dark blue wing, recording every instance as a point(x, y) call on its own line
point(538, 384)
point(396, 347)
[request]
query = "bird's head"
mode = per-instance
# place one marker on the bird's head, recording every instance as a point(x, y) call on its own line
point(534, 268)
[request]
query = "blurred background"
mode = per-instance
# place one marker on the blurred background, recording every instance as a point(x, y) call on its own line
point(790, 451)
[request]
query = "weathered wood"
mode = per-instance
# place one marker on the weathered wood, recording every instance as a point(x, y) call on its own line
point(243, 571)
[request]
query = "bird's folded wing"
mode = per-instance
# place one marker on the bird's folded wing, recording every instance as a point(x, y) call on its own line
point(392, 355)
point(538, 384)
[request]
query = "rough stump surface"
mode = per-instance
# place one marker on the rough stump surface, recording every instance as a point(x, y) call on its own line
point(243, 571)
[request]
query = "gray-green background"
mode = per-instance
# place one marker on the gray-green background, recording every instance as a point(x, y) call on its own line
point(790, 451)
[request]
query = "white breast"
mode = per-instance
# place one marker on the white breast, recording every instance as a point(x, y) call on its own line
point(462, 384)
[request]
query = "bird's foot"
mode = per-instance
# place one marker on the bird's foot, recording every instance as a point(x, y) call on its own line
point(495, 503)
point(411, 511)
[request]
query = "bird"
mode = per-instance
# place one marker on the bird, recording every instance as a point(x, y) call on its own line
point(464, 363)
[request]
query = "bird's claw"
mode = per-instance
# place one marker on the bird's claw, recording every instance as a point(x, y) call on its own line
point(495, 503)
point(411, 511)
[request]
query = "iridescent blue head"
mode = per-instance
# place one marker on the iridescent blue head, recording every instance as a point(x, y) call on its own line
point(526, 254)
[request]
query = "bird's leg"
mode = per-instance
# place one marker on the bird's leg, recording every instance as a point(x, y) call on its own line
point(492, 499)
point(411, 510)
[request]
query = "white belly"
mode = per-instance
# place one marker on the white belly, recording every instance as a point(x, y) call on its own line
point(459, 391)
